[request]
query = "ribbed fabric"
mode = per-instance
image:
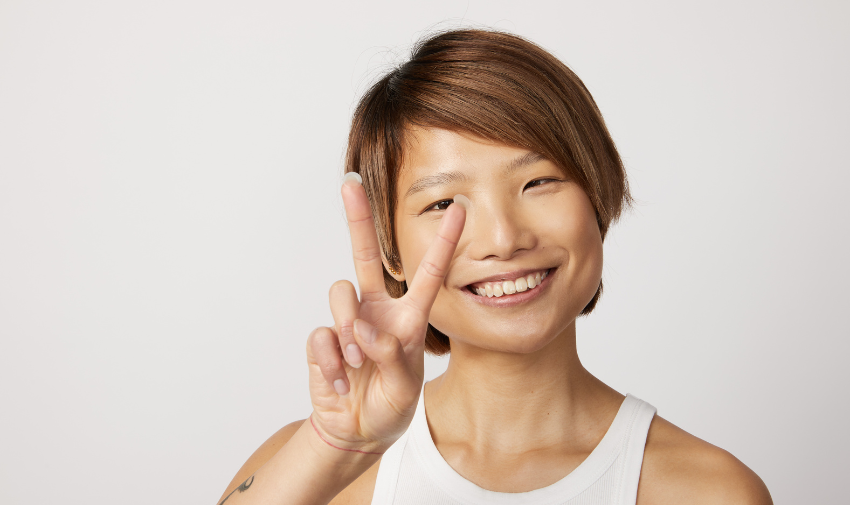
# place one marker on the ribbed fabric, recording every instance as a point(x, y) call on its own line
point(412, 471)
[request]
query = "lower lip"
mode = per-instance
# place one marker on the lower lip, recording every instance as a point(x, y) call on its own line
point(514, 299)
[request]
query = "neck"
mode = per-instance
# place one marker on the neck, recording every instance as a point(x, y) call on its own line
point(514, 402)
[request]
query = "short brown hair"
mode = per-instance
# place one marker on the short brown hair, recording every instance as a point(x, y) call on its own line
point(495, 85)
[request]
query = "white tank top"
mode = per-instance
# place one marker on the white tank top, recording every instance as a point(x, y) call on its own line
point(412, 471)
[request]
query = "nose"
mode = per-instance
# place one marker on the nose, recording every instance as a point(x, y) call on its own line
point(496, 230)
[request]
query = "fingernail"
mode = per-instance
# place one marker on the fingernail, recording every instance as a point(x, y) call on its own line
point(366, 331)
point(340, 387)
point(462, 201)
point(355, 355)
point(352, 178)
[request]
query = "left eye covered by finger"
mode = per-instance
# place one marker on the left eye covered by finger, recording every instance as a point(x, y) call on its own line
point(435, 264)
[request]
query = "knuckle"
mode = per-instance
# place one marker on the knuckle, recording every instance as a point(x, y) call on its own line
point(340, 286)
point(432, 269)
point(359, 220)
point(447, 239)
point(319, 338)
point(390, 348)
point(346, 330)
point(366, 254)
point(322, 333)
point(329, 367)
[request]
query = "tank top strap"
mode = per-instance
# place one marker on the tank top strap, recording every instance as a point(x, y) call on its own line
point(388, 469)
point(634, 443)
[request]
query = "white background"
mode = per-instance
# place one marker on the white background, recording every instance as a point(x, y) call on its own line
point(170, 224)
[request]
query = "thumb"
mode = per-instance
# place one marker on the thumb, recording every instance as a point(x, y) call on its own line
point(387, 352)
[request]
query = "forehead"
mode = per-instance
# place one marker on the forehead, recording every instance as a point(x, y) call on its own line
point(431, 151)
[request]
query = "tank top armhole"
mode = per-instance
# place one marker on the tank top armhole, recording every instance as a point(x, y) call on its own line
point(634, 449)
point(387, 479)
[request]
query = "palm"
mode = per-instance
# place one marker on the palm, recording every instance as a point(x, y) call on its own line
point(382, 395)
point(375, 407)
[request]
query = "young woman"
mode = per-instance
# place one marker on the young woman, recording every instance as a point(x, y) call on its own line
point(481, 181)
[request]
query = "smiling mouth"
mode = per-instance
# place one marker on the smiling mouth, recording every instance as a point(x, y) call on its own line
point(509, 286)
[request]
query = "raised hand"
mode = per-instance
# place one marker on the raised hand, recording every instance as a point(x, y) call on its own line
point(364, 403)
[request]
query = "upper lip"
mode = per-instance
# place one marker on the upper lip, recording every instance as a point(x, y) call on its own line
point(509, 276)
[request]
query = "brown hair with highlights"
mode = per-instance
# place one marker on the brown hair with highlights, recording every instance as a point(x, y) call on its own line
point(495, 85)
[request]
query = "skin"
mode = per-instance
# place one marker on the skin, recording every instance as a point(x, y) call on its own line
point(515, 409)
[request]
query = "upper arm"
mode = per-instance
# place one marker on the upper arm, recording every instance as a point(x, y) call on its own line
point(358, 492)
point(737, 483)
point(261, 455)
point(680, 468)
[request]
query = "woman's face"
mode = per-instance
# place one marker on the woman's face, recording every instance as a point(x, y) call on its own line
point(526, 220)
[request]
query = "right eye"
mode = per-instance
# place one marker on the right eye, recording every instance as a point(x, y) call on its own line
point(441, 205)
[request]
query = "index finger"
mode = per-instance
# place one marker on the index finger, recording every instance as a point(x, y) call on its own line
point(364, 240)
point(435, 264)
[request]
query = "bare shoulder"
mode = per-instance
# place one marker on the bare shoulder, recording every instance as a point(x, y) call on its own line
point(681, 468)
point(358, 492)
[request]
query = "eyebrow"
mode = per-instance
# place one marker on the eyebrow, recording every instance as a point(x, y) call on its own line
point(444, 178)
point(526, 159)
point(431, 181)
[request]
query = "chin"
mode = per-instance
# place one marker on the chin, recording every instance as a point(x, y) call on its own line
point(515, 339)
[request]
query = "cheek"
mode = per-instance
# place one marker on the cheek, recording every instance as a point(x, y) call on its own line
point(583, 240)
point(588, 273)
point(413, 243)
point(445, 317)
point(570, 222)
point(567, 225)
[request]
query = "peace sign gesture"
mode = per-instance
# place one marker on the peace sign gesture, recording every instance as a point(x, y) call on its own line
point(365, 403)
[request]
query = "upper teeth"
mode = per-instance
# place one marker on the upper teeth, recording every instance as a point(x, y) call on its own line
point(499, 288)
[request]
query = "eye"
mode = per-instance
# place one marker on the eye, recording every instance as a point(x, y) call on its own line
point(539, 182)
point(441, 205)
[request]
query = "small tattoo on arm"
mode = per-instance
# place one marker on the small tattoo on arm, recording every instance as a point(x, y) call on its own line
point(242, 487)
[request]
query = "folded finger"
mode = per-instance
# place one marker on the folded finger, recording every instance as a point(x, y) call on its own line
point(324, 346)
point(345, 308)
point(403, 375)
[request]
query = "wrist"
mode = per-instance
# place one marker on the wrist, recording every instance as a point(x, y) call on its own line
point(306, 470)
point(340, 452)
point(325, 440)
